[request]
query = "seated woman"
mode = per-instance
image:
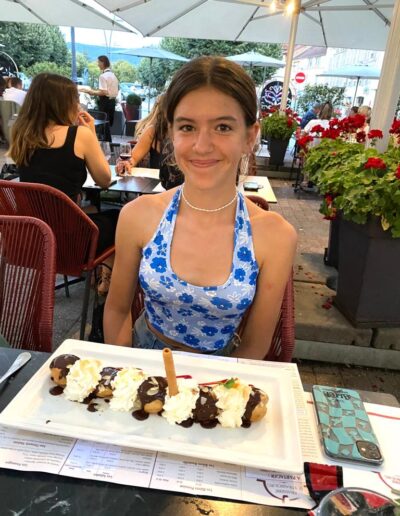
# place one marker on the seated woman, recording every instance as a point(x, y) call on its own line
point(204, 254)
point(54, 143)
point(152, 134)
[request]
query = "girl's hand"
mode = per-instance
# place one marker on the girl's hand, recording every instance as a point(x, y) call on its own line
point(123, 168)
point(85, 119)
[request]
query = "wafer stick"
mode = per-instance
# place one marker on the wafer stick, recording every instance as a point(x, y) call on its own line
point(170, 372)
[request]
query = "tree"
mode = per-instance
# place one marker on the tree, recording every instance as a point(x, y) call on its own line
point(30, 43)
point(203, 47)
point(49, 67)
point(124, 71)
point(161, 70)
point(318, 94)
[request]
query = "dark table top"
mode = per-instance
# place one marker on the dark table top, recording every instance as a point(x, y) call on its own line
point(37, 494)
point(129, 184)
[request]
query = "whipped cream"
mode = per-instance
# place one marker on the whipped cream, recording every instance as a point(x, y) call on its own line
point(125, 385)
point(82, 379)
point(180, 407)
point(232, 403)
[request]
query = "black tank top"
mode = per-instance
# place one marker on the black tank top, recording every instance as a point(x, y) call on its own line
point(57, 167)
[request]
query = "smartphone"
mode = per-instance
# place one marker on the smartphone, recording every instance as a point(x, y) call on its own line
point(344, 427)
point(251, 186)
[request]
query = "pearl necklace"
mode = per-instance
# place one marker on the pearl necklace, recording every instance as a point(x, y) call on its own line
point(205, 209)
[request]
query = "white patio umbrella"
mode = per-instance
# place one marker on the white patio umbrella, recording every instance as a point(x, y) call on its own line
point(356, 72)
point(251, 59)
point(151, 53)
point(364, 24)
point(70, 13)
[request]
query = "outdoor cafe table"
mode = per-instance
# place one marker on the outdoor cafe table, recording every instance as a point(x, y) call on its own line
point(36, 494)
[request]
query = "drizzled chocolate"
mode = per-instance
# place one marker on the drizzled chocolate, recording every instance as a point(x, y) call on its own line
point(140, 415)
point(56, 390)
point(108, 375)
point(63, 362)
point(253, 401)
point(151, 389)
point(206, 410)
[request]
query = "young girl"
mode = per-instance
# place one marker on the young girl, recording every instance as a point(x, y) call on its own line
point(54, 143)
point(202, 253)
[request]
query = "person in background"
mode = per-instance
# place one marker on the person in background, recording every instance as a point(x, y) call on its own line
point(54, 143)
point(324, 116)
point(353, 111)
point(206, 255)
point(310, 115)
point(152, 138)
point(3, 84)
point(365, 111)
point(106, 92)
point(14, 92)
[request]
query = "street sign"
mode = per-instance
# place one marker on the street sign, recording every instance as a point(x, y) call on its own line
point(300, 77)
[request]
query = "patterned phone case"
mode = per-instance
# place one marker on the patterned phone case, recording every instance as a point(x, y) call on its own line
point(343, 422)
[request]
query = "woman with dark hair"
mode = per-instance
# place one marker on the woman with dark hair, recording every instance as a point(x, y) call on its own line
point(54, 143)
point(205, 255)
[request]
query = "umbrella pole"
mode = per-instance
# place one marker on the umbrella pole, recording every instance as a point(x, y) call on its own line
point(289, 56)
point(355, 91)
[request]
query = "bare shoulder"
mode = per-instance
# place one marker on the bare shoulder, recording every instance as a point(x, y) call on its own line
point(142, 215)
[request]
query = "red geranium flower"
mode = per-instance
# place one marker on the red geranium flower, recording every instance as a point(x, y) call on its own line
point(361, 136)
point(289, 122)
point(331, 133)
point(302, 142)
point(397, 173)
point(395, 129)
point(334, 123)
point(328, 198)
point(317, 129)
point(357, 121)
point(375, 163)
point(375, 133)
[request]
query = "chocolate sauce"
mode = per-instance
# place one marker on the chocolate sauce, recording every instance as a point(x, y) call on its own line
point(56, 390)
point(63, 362)
point(89, 398)
point(107, 374)
point(187, 423)
point(92, 407)
point(206, 410)
point(140, 415)
point(253, 401)
point(151, 389)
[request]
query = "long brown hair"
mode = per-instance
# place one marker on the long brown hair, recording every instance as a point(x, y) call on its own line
point(51, 99)
point(219, 73)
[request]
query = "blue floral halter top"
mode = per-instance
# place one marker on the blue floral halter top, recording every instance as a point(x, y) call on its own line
point(204, 318)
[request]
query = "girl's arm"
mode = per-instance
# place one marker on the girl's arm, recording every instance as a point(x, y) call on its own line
point(117, 313)
point(87, 145)
point(275, 250)
point(140, 150)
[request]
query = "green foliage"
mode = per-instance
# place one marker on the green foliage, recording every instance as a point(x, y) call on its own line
point(338, 169)
point(158, 74)
point(82, 62)
point(278, 125)
point(48, 67)
point(133, 99)
point(30, 43)
point(203, 47)
point(318, 94)
point(124, 71)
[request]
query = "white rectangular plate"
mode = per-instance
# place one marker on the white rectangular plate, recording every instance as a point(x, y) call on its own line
point(272, 443)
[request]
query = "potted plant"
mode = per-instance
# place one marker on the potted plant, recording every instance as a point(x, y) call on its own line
point(364, 186)
point(277, 127)
point(133, 103)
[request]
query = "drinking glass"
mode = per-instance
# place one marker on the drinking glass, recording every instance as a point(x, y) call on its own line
point(125, 151)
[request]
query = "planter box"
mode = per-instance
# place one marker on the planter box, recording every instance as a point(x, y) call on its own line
point(277, 150)
point(369, 275)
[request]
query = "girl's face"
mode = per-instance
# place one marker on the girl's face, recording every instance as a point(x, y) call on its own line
point(210, 136)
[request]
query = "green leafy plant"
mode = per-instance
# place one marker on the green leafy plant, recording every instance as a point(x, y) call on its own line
point(278, 124)
point(133, 100)
point(355, 178)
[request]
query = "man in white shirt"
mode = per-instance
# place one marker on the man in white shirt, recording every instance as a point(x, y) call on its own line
point(15, 92)
point(107, 92)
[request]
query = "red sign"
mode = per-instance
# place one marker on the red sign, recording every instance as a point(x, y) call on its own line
point(300, 77)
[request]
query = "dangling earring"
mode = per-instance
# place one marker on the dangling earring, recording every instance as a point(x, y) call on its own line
point(244, 164)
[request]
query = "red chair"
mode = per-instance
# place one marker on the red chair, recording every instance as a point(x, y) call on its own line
point(76, 235)
point(260, 201)
point(27, 275)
